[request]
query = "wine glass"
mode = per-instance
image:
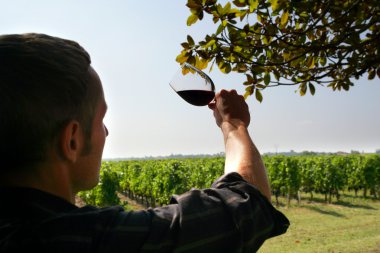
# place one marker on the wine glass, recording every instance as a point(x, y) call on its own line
point(193, 85)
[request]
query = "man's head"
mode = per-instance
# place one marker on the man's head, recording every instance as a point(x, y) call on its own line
point(44, 84)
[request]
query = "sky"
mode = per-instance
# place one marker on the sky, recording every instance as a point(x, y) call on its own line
point(133, 46)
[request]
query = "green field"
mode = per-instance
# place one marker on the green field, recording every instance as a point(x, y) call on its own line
point(351, 225)
point(324, 224)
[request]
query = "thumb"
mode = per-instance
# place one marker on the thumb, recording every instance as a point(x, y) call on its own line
point(212, 105)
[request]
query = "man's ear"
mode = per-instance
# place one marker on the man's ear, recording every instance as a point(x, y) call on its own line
point(71, 142)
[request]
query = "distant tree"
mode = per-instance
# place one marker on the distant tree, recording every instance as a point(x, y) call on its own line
point(288, 42)
point(309, 153)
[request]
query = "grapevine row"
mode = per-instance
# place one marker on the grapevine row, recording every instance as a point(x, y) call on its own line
point(155, 181)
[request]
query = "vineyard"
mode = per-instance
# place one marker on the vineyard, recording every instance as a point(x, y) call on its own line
point(153, 182)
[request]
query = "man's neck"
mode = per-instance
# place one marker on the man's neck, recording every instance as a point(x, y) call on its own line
point(54, 180)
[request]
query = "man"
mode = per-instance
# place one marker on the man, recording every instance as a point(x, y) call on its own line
point(52, 137)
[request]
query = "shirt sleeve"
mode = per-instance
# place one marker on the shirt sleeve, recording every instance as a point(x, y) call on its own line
point(231, 216)
point(255, 217)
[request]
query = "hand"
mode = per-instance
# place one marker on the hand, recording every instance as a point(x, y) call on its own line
point(230, 108)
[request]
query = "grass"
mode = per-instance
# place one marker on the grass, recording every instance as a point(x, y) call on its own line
point(351, 225)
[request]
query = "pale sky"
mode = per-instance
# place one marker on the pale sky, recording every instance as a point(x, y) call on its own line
point(133, 46)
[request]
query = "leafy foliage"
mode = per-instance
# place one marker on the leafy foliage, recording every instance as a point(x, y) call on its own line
point(157, 181)
point(104, 194)
point(280, 42)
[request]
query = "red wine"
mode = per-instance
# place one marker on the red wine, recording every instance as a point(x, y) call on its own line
point(197, 97)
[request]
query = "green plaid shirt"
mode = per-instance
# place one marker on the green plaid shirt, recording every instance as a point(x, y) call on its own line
point(231, 216)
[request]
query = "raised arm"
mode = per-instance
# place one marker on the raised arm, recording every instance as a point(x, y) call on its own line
point(232, 116)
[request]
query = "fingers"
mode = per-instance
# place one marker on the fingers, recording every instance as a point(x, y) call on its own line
point(228, 94)
point(212, 105)
point(227, 99)
point(224, 92)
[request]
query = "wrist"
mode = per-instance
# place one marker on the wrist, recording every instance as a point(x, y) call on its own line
point(233, 128)
point(232, 125)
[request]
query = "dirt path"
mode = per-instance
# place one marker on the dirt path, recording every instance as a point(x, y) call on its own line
point(123, 198)
point(131, 202)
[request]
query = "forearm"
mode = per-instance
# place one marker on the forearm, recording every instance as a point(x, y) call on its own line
point(243, 157)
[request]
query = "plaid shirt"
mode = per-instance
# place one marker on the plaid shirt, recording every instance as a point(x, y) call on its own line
point(231, 216)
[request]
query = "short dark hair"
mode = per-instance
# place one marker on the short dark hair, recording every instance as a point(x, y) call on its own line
point(44, 83)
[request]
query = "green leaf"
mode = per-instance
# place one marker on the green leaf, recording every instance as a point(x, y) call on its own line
point(242, 14)
point(248, 91)
point(297, 25)
point(303, 89)
point(227, 68)
point(239, 3)
point(237, 49)
point(312, 89)
point(286, 55)
point(215, 18)
point(322, 61)
point(219, 9)
point(332, 85)
point(310, 62)
point(181, 58)
point(274, 4)
point(209, 44)
point(345, 85)
point(224, 67)
point(250, 79)
point(227, 8)
point(241, 67)
point(185, 45)
point(192, 19)
point(190, 40)
point(268, 53)
point(253, 5)
point(193, 4)
point(296, 62)
point(201, 63)
point(284, 18)
point(267, 78)
point(259, 18)
point(258, 70)
point(246, 95)
point(259, 96)
point(220, 29)
point(276, 74)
